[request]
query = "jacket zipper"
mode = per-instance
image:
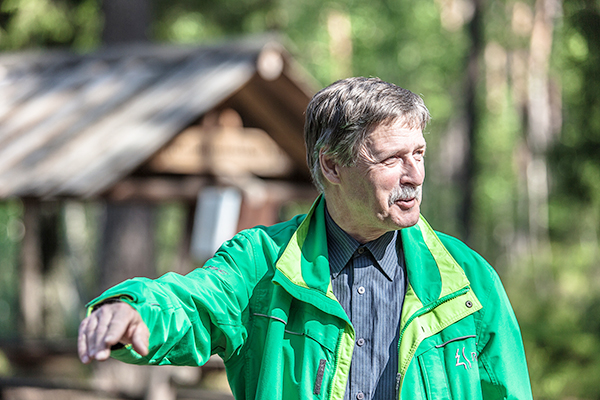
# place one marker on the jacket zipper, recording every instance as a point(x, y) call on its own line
point(417, 314)
point(338, 350)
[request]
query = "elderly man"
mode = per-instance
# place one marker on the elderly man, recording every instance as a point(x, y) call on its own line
point(358, 299)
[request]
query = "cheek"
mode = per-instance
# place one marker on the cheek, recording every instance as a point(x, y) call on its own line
point(380, 185)
point(384, 193)
point(388, 183)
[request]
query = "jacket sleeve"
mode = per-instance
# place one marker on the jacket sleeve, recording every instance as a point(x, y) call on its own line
point(503, 367)
point(193, 316)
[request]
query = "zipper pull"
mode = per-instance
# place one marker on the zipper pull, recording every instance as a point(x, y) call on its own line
point(398, 380)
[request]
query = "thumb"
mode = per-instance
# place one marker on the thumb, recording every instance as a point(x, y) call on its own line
point(140, 338)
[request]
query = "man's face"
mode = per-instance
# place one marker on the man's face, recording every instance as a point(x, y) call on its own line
point(383, 191)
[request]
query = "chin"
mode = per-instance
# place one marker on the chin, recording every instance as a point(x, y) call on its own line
point(408, 220)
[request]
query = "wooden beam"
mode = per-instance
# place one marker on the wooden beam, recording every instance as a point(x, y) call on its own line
point(222, 151)
point(157, 189)
point(259, 108)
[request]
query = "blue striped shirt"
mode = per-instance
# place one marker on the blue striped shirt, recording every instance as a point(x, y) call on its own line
point(369, 280)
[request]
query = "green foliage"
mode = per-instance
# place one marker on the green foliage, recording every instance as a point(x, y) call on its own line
point(188, 21)
point(170, 226)
point(575, 157)
point(500, 182)
point(561, 324)
point(11, 232)
point(49, 23)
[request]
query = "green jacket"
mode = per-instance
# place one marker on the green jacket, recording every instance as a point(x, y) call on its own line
point(265, 304)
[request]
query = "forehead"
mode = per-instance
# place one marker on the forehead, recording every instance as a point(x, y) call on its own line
point(395, 134)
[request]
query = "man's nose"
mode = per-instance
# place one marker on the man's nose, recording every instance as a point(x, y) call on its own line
point(413, 174)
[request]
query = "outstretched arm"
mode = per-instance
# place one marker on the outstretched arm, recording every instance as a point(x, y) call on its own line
point(108, 325)
point(176, 319)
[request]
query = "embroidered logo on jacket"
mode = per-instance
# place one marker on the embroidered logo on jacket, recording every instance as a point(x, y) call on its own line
point(464, 357)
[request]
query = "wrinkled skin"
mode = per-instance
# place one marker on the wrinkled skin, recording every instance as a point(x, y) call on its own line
point(382, 191)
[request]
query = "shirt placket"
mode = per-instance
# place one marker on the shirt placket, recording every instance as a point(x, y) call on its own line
point(361, 305)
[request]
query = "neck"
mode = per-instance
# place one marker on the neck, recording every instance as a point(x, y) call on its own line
point(344, 218)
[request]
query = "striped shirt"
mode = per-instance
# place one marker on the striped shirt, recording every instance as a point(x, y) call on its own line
point(369, 280)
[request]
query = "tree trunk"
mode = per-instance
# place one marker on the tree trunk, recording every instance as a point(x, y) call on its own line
point(126, 21)
point(467, 175)
point(540, 132)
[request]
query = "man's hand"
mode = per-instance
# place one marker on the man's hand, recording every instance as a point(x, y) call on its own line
point(110, 324)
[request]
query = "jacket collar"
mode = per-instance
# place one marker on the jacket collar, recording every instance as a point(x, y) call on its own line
point(303, 267)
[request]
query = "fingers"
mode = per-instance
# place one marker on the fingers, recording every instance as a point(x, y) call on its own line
point(86, 340)
point(107, 326)
point(122, 316)
point(98, 327)
point(140, 339)
point(82, 347)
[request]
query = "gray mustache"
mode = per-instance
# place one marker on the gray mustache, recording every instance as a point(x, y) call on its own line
point(405, 193)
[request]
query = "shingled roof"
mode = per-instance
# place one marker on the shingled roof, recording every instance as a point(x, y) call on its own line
point(74, 125)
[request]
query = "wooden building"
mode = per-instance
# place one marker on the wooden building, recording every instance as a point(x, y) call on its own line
point(138, 125)
point(149, 122)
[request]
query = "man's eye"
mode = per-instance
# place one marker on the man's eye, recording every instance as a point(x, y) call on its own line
point(392, 160)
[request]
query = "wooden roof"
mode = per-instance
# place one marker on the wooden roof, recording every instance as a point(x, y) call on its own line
point(75, 125)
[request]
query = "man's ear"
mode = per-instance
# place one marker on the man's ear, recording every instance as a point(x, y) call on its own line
point(329, 168)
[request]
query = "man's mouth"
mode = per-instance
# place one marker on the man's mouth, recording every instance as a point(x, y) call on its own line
point(406, 204)
point(405, 197)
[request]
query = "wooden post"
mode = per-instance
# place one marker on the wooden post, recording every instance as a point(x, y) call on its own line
point(30, 278)
point(184, 263)
point(127, 243)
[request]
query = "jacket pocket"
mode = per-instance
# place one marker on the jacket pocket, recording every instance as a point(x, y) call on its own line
point(293, 357)
point(435, 380)
point(309, 354)
point(449, 368)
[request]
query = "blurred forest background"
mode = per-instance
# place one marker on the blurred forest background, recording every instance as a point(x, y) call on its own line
point(514, 145)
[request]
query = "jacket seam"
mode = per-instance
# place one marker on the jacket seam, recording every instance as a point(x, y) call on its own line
point(250, 324)
point(483, 324)
point(482, 355)
point(493, 380)
point(253, 255)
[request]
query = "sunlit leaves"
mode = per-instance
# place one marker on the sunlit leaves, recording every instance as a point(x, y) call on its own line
point(43, 23)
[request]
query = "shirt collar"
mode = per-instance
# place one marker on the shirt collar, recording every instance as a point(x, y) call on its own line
point(342, 246)
point(385, 252)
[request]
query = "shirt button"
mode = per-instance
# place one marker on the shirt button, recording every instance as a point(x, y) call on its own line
point(360, 395)
point(361, 290)
point(360, 342)
point(361, 250)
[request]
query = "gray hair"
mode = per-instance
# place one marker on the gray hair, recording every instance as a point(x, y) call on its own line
point(340, 117)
